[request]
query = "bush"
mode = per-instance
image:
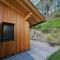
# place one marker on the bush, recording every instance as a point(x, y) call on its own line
point(54, 37)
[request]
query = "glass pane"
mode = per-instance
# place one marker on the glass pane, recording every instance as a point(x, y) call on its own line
point(8, 32)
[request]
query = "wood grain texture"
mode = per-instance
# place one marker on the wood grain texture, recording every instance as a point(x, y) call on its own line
point(21, 31)
point(25, 7)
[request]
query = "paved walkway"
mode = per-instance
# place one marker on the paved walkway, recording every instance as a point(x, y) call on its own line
point(39, 51)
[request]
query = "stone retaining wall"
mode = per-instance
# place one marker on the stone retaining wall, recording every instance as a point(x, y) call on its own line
point(37, 35)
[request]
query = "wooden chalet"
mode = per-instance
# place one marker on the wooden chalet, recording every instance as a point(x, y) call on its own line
point(22, 14)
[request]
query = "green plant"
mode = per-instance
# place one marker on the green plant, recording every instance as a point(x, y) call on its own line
point(52, 23)
point(55, 56)
point(54, 36)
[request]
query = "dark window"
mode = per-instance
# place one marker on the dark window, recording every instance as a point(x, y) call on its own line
point(7, 31)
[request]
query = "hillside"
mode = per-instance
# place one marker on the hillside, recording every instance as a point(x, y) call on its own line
point(52, 23)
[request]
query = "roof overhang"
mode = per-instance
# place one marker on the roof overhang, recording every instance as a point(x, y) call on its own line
point(26, 9)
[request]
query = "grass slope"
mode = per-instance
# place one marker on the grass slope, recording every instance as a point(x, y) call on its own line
point(52, 23)
point(55, 56)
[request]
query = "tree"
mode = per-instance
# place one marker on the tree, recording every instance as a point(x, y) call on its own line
point(47, 4)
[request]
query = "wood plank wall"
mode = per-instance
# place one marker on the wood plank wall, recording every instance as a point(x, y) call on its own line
point(21, 31)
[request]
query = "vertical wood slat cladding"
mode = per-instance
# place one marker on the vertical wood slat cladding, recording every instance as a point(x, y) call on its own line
point(27, 33)
point(20, 42)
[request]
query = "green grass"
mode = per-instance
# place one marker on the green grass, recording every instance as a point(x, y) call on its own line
point(55, 56)
point(52, 23)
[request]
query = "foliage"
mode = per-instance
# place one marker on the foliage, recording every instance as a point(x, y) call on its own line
point(55, 56)
point(52, 23)
point(54, 36)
